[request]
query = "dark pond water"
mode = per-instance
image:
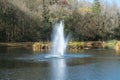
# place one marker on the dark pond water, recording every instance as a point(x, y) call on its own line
point(94, 64)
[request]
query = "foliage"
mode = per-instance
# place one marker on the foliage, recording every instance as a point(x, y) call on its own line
point(35, 19)
point(96, 7)
point(111, 43)
point(71, 43)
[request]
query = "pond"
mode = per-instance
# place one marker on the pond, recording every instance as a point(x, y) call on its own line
point(24, 64)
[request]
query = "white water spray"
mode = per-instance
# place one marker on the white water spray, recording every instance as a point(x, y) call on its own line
point(59, 42)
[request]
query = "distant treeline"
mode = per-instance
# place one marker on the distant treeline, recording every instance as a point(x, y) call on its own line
point(33, 20)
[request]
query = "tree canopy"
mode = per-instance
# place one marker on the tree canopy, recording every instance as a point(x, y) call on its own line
point(34, 20)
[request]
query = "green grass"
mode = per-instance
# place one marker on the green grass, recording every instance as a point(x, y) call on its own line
point(76, 43)
point(111, 43)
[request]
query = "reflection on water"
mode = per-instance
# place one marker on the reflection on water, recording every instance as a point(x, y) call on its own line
point(58, 69)
point(104, 64)
point(118, 52)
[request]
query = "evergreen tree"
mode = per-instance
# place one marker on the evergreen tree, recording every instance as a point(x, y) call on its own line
point(96, 7)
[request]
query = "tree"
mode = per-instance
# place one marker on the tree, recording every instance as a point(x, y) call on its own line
point(96, 7)
point(117, 29)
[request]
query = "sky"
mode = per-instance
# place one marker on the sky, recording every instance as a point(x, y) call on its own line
point(117, 2)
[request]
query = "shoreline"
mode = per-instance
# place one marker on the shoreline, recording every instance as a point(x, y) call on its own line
point(16, 44)
point(71, 45)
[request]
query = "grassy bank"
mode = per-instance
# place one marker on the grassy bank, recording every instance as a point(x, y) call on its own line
point(17, 44)
point(72, 45)
point(111, 44)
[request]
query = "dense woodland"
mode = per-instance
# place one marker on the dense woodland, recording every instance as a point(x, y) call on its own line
point(33, 20)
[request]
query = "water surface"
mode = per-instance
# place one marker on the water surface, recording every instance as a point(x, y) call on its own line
point(20, 64)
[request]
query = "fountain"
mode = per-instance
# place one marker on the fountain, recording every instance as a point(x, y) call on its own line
point(59, 42)
point(58, 47)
